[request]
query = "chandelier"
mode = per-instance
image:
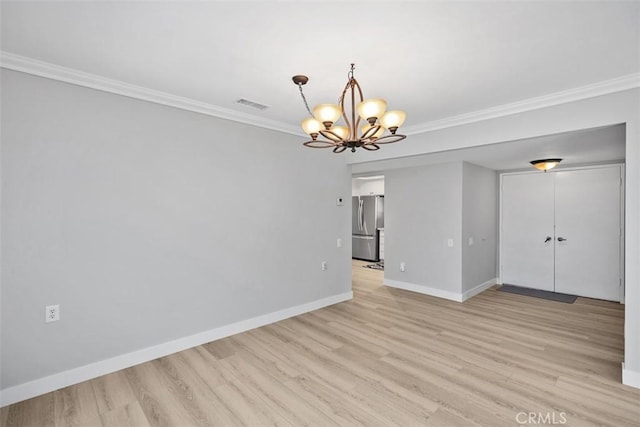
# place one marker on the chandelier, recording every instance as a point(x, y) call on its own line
point(324, 131)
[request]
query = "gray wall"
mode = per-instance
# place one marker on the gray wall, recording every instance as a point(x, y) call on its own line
point(423, 208)
point(480, 222)
point(427, 205)
point(147, 224)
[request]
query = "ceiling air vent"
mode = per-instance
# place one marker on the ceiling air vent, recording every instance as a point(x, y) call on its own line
point(252, 104)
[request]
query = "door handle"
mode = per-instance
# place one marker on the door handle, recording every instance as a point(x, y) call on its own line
point(561, 239)
point(548, 239)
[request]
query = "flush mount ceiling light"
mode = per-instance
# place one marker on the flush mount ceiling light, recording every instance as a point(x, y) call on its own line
point(324, 119)
point(545, 164)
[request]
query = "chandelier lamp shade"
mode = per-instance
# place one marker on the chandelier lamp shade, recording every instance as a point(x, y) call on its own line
point(337, 126)
point(545, 164)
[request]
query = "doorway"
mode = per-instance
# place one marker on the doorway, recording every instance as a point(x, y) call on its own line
point(367, 222)
point(562, 231)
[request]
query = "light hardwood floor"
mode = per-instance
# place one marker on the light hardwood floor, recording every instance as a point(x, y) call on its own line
point(389, 357)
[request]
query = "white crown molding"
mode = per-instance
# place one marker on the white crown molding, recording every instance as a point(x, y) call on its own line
point(606, 87)
point(27, 65)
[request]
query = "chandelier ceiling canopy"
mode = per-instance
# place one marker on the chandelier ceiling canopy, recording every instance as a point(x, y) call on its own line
point(328, 131)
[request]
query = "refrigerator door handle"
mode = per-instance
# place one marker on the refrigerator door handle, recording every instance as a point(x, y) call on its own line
point(363, 237)
point(360, 214)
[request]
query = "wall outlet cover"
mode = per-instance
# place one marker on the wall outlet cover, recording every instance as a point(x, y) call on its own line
point(52, 313)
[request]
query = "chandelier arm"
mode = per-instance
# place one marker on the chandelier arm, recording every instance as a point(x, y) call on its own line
point(370, 146)
point(320, 144)
point(339, 148)
point(344, 115)
point(354, 133)
point(332, 136)
point(357, 85)
point(370, 132)
point(390, 139)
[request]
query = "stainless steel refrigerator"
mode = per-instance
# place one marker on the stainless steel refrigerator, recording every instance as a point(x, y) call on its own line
point(367, 220)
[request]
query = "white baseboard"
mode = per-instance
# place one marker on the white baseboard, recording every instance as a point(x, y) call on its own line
point(480, 288)
point(630, 378)
point(440, 293)
point(77, 375)
point(422, 289)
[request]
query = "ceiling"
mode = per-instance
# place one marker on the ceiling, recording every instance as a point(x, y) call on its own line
point(435, 60)
point(432, 59)
point(589, 146)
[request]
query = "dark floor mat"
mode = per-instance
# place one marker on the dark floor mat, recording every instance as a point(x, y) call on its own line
point(376, 266)
point(553, 296)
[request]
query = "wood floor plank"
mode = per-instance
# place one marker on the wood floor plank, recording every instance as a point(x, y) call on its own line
point(39, 411)
point(349, 407)
point(444, 417)
point(112, 391)
point(163, 403)
point(388, 357)
point(184, 370)
point(249, 408)
point(275, 394)
point(75, 405)
point(221, 349)
point(130, 415)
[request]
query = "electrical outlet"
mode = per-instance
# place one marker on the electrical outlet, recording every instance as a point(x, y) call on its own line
point(339, 242)
point(51, 313)
point(323, 265)
point(402, 266)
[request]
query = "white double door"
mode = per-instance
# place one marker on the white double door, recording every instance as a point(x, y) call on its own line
point(561, 231)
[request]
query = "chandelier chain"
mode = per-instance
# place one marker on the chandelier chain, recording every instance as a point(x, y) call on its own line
point(304, 99)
